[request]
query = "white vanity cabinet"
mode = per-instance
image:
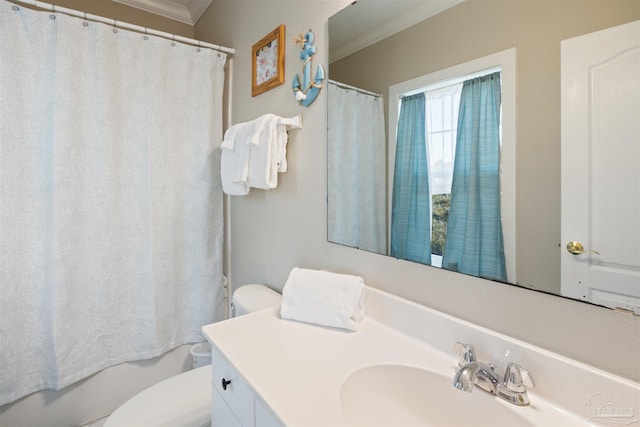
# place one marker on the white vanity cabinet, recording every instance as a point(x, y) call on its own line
point(221, 414)
point(233, 400)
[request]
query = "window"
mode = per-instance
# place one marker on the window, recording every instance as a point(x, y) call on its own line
point(442, 90)
point(441, 123)
point(442, 108)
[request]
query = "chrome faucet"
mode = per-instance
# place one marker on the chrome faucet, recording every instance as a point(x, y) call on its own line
point(512, 386)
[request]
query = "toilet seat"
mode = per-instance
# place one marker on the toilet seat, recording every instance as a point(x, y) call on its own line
point(182, 400)
point(185, 399)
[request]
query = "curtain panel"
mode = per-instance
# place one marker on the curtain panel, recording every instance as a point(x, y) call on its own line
point(411, 200)
point(474, 243)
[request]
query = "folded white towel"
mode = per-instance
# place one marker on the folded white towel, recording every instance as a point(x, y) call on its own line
point(285, 124)
point(269, 150)
point(265, 153)
point(234, 162)
point(237, 156)
point(323, 298)
point(229, 140)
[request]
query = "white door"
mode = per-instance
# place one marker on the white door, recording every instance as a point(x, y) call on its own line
point(601, 166)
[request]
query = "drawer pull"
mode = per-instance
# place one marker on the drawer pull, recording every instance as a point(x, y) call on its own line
point(225, 383)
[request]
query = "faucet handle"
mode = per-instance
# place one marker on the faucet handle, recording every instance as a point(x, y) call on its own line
point(516, 378)
point(466, 352)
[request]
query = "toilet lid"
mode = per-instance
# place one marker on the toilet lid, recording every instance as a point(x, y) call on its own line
point(183, 400)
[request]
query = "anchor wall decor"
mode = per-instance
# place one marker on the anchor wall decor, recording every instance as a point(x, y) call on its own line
point(308, 91)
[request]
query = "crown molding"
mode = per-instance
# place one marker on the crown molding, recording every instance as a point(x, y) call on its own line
point(185, 11)
point(366, 22)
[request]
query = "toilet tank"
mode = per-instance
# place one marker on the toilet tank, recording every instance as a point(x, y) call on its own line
point(251, 298)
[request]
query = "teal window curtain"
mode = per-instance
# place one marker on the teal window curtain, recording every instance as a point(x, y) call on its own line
point(474, 243)
point(410, 206)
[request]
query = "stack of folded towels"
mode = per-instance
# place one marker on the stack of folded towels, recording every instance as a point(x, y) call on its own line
point(323, 298)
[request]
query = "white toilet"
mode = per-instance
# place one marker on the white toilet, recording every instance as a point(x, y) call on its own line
point(185, 399)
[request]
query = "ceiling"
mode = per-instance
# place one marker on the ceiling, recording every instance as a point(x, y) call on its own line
point(365, 22)
point(186, 11)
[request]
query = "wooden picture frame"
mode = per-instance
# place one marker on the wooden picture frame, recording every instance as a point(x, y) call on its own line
point(267, 62)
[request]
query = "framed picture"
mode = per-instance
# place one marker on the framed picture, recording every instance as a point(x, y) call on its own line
point(268, 62)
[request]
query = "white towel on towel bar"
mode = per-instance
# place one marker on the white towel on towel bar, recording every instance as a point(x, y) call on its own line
point(268, 152)
point(254, 152)
point(234, 165)
point(323, 298)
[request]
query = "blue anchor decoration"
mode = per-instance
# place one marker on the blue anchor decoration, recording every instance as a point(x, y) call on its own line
point(307, 92)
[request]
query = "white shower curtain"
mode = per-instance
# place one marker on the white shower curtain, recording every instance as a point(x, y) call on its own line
point(357, 170)
point(110, 200)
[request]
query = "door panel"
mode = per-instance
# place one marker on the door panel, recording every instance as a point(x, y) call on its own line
point(601, 166)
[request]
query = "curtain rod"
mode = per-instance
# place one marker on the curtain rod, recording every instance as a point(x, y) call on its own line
point(125, 25)
point(357, 89)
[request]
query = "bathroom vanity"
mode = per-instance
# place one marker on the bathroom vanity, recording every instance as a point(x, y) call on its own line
point(234, 403)
point(396, 369)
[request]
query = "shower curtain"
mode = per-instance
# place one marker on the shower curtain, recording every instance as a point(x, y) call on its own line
point(356, 170)
point(110, 200)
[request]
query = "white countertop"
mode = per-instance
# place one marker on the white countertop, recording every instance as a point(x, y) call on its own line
point(298, 369)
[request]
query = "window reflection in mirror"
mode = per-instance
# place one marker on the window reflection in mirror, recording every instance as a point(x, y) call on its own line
point(472, 249)
point(411, 233)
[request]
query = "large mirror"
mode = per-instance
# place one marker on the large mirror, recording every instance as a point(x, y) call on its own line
point(377, 46)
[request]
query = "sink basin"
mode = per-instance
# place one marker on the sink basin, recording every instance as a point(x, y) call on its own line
point(394, 395)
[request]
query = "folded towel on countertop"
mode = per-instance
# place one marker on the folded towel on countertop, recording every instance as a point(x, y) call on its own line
point(323, 298)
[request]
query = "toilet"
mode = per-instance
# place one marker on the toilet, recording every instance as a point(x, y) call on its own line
point(184, 400)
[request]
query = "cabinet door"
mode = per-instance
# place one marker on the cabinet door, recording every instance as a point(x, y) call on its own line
point(264, 416)
point(233, 388)
point(221, 415)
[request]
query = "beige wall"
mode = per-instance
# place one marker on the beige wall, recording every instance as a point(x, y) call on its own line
point(535, 29)
point(273, 231)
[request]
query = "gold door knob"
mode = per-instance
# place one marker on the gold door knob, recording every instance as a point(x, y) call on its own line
point(576, 248)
